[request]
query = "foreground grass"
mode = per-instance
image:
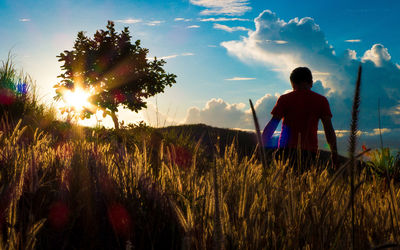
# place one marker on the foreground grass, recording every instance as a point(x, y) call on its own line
point(100, 194)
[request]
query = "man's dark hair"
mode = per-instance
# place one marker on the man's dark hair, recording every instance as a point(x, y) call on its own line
point(300, 75)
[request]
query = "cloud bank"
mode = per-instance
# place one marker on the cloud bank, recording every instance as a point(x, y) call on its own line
point(220, 113)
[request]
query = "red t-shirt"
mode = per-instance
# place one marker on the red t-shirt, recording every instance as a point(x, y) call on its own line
point(301, 111)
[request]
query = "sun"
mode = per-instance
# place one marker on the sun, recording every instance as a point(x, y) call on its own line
point(77, 99)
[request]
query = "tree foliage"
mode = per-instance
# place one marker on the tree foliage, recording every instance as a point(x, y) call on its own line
point(115, 71)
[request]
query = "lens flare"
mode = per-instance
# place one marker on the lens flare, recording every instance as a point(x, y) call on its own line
point(77, 99)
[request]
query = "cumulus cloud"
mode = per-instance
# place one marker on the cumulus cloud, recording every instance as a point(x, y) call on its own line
point(223, 7)
point(193, 27)
point(220, 113)
point(378, 54)
point(223, 19)
point(229, 29)
point(236, 78)
point(24, 20)
point(283, 45)
point(128, 21)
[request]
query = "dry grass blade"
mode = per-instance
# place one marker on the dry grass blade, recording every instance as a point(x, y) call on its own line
point(340, 171)
point(386, 246)
point(259, 141)
point(218, 237)
point(352, 144)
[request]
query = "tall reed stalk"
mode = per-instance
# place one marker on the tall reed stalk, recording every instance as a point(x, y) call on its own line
point(218, 237)
point(259, 140)
point(352, 146)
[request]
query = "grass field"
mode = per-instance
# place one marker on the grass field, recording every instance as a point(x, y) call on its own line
point(88, 192)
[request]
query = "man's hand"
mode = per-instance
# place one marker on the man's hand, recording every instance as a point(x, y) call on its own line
point(335, 161)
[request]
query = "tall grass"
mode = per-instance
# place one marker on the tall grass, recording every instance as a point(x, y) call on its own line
point(352, 146)
point(19, 99)
point(94, 194)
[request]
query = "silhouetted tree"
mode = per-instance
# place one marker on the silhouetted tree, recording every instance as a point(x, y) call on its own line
point(114, 70)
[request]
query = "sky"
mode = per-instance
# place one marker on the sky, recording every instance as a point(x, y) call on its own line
point(225, 52)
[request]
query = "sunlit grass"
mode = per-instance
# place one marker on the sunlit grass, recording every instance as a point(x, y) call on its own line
point(146, 195)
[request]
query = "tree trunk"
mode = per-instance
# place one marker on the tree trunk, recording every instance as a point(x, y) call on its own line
point(115, 120)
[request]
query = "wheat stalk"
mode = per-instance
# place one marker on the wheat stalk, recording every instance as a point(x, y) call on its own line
point(259, 141)
point(352, 145)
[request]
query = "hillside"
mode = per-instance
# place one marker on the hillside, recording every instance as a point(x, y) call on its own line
point(245, 142)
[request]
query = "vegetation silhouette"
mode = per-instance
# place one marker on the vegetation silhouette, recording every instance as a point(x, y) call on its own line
point(113, 71)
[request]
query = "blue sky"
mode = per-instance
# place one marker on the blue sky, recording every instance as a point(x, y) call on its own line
point(227, 51)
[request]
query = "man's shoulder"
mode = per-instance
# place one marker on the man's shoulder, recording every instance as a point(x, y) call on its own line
point(287, 95)
point(303, 94)
point(317, 95)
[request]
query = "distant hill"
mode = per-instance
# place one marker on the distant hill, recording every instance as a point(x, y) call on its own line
point(211, 136)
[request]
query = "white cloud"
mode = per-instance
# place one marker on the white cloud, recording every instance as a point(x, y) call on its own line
point(168, 57)
point(353, 40)
point(223, 19)
point(128, 21)
point(24, 20)
point(155, 23)
point(182, 19)
point(176, 55)
point(377, 131)
point(229, 29)
point(236, 78)
point(276, 41)
point(377, 54)
point(223, 7)
point(193, 27)
point(285, 45)
point(218, 112)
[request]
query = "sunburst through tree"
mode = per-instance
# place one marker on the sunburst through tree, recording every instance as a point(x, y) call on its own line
point(108, 71)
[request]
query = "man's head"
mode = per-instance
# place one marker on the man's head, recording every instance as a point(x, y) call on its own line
point(301, 78)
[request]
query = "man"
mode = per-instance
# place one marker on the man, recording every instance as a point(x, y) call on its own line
point(301, 111)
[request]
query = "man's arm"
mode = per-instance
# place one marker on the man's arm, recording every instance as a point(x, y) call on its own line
point(270, 129)
point(330, 138)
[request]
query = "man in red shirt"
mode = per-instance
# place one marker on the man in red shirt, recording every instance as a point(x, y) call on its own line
point(301, 111)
